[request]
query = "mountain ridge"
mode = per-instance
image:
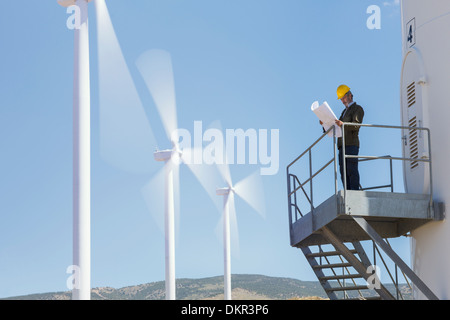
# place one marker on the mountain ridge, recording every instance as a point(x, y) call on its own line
point(244, 287)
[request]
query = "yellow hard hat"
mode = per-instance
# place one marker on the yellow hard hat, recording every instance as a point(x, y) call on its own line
point(342, 90)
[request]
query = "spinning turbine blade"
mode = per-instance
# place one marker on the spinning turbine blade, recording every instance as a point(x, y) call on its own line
point(153, 194)
point(224, 170)
point(155, 67)
point(175, 163)
point(234, 232)
point(126, 138)
point(251, 190)
point(229, 236)
point(207, 175)
point(222, 166)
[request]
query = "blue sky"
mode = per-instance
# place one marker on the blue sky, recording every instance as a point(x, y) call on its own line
point(249, 64)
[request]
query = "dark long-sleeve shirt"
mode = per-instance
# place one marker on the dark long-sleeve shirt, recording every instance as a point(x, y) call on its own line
point(354, 113)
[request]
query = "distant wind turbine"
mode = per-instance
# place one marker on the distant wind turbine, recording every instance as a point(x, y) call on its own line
point(156, 69)
point(125, 133)
point(250, 189)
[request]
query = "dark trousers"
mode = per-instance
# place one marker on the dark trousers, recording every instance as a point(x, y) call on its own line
point(352, 173)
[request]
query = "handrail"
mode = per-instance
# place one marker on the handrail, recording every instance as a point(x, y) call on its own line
point(293, 192)
point(312, 175)
point(344, 156)
point(310, 178)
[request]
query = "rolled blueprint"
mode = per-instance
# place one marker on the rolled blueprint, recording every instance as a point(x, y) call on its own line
point(327, 116)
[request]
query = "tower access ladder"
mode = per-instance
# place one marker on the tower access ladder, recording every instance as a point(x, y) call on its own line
point(330, 235)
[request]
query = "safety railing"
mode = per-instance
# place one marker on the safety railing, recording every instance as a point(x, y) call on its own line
point(426, 159)
point(295, 185)
point(393, 275)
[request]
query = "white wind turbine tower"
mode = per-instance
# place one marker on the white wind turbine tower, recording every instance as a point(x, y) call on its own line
point(81, 154)
point(124, 130)
point(250, 189)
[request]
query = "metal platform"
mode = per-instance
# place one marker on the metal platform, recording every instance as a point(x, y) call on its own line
point(390, 214)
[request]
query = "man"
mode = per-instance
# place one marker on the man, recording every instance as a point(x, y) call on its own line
point(352, 113)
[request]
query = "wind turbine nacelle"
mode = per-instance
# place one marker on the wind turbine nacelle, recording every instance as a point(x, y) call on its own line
point(424, 88)
point(223, 191)
point(163, 155)
point(68, 3)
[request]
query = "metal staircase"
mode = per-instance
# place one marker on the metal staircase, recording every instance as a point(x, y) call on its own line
point(331, 234)
point(339, 277)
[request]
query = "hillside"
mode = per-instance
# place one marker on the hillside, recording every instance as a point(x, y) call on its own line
point(244, 287)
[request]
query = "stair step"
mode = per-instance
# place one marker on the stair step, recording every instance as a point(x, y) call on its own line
point(347, 288)
point(365, 298)
point(340, 277)
point(326, 254)
point(332, 265)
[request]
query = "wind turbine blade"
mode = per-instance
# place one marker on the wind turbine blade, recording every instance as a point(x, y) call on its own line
point(235, 248)
point(222, 166)
point(224, 170)
point(156, 69)
point(207, 175)
point(234, 232)
point(251, 190)
point(126, 138)
point(176, 191)
point(153, 194)
point(218, 230)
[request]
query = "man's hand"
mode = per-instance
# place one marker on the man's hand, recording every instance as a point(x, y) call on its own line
point(339, 123)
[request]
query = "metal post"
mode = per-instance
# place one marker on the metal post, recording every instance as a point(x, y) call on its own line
point(289, 198)
point(431, 173)
point(311, 188)
point(335, 162)
point(344, 164)
point(392, 179)
point(295, 198)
